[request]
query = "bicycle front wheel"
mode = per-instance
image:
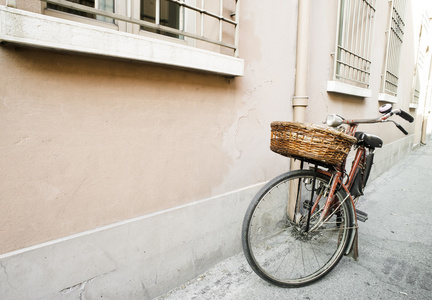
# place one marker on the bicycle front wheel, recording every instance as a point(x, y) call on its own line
point(275, 240)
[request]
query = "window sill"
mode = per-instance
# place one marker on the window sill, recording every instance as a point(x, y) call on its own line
point(30, 29)
point(343, 88)
point(387, 98)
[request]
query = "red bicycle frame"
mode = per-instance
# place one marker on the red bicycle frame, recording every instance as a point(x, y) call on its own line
point(338, 175)
point(337, 180)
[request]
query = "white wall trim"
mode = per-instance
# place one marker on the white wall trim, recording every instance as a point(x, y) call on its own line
point(387, 98)
point(390, 154)
point(31, 29)
point(343, 88)
point(139, 258)
point(125, 222)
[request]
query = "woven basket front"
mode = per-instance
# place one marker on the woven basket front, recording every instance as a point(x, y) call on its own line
point(310, 142)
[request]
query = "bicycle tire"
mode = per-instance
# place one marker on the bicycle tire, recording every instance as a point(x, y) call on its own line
point(275, 246)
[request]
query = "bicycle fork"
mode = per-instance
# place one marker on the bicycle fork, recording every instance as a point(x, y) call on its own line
point(325, 213)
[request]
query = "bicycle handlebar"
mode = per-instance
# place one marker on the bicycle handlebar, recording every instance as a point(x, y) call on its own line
point(336, 120)
point(405, 115)
point(399, 112)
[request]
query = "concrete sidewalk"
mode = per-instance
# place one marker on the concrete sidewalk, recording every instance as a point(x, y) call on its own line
point(395, 248)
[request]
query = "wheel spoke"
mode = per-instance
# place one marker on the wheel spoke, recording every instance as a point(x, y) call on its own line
point(277, 246)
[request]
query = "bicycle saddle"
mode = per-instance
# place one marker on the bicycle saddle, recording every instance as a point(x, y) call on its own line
point(368, 140)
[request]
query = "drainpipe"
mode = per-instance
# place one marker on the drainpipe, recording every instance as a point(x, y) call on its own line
point(300, 99)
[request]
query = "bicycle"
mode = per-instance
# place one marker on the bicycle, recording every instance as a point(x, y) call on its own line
point(301, 223)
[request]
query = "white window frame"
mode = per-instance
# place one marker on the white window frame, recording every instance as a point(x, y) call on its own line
point(352, 58)
point(184, 23)
point(119, 7)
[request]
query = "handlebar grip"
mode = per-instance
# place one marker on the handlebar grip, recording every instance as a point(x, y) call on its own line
point(406, 116)
point(402, 129)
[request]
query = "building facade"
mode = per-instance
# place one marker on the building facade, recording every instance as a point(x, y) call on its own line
point(135, 133)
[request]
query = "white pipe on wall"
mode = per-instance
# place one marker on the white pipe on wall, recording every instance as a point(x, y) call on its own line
point(300, 99)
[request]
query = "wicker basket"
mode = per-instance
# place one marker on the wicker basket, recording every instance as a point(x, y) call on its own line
point(310, 142)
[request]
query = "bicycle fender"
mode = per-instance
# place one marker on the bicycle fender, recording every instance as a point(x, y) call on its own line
point(353, 220)
point(353, 216)
point(352, 239)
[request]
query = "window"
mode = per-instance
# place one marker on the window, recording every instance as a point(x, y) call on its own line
point(394, 46)
point(197, 23)
point(420, 80)
point(105, 5)
point(353, 47)
point(70, 27)
point(169, 15)
point(416, 93)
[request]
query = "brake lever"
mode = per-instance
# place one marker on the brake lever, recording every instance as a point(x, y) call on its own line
point(399, 127)
point(402, 129)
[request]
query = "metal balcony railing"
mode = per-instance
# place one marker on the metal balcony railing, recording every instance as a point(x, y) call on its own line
point(158, 26)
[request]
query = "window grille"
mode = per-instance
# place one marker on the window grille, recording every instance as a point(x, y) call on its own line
point(227, 18)
point(88, 3)
point(394, 47)
point(162, 12)
point(422, 60)
point(416, 94)
point(353, 41)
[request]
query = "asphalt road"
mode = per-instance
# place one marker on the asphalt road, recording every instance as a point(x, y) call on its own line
point(395, 249)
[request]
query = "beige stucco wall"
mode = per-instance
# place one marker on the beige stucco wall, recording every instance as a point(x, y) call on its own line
point(29, 5)
point(88, 141)
point(136, 175)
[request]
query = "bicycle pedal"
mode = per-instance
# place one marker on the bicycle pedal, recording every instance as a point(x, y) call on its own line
point(361, 215)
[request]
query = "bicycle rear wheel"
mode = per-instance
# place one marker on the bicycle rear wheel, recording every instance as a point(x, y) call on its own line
point(274, 240)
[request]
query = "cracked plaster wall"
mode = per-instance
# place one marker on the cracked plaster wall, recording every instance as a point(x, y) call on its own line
point(138, 259)
point(88, 142)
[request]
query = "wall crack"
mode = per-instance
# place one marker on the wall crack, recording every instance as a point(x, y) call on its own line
point(6, 274)
point(81, 286)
